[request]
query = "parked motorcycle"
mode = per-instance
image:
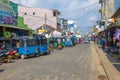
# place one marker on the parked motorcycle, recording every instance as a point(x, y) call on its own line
point(13, 53)
point(50, 47)
point(4, 56)
point(59, 47)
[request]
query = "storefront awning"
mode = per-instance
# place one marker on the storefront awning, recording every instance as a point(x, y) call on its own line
point(15, 27)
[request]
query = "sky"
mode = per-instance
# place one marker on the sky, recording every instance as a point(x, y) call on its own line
point(84, 12)
point(117, 4)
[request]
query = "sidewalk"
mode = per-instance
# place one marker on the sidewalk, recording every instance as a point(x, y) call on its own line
point(98, 72)
point(114, 60)
point(111, 72)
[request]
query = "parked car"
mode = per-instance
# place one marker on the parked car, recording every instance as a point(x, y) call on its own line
point(86, 40)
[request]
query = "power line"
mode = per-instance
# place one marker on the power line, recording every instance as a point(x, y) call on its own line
point(77, 18)
point(79, 9)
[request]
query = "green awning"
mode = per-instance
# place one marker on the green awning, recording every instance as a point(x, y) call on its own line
point(15, 27)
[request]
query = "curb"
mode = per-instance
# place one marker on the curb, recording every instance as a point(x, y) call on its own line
point(110, 70)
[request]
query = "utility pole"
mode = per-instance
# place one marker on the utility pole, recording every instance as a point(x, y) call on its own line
point(106, 13)
point(45, 20)
point(103, 13)
point(44, 26)
point(107, 10)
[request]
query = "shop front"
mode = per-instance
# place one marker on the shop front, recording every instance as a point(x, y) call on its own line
point(57, 34)
point(111, 35)
point(46, 30)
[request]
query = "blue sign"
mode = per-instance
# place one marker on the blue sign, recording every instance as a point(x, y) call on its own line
point(8, 12)
point(70, 25)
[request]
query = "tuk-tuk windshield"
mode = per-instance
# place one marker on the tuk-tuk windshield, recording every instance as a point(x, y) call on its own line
point(30, 42)
point(21, 43)
point(43, 41)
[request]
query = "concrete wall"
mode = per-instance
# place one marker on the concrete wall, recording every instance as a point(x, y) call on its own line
point(37, 19)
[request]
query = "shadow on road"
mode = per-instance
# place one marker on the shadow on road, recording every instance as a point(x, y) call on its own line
point(1, 70)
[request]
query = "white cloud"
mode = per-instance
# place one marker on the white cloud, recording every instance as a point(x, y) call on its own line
point(30, 3)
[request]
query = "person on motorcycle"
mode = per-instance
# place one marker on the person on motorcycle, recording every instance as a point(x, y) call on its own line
point(59, 41)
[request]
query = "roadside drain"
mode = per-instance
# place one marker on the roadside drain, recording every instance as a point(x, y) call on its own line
point(102, 77)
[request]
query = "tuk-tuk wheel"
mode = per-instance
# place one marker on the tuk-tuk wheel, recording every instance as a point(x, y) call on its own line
point(23, 56)
point(9, 59)
point(48, 52)
point(38, 54)
point(16, 55)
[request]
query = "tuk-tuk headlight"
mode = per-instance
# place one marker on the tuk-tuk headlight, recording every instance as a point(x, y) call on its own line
point(27, 50)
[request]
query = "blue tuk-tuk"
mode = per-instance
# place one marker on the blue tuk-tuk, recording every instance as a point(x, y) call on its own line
point(27, 47)
point(68, 42)
point(42, 44)
point(74, 40)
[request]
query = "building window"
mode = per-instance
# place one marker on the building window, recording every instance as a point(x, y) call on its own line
point(33, 13)
point(25, 13)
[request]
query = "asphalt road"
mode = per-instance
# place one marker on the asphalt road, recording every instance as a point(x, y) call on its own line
point(71, 63)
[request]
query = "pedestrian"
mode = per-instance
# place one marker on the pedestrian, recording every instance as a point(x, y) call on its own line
point(59, 41)
point(115, 46)
point(103, 42)
point(2, 46)
point(17, 44)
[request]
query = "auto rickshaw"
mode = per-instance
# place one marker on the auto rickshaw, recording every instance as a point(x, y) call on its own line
point(50, 44)
point(60, 44)
point(55, 44)
point(74, 40)
point(68, 42)
point(42, 44)
point(27, 47)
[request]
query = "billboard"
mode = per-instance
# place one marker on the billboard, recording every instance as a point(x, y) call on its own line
point(71, 23)
point(8, 12)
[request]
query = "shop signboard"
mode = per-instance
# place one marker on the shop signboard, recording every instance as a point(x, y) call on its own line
point(8, 12)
